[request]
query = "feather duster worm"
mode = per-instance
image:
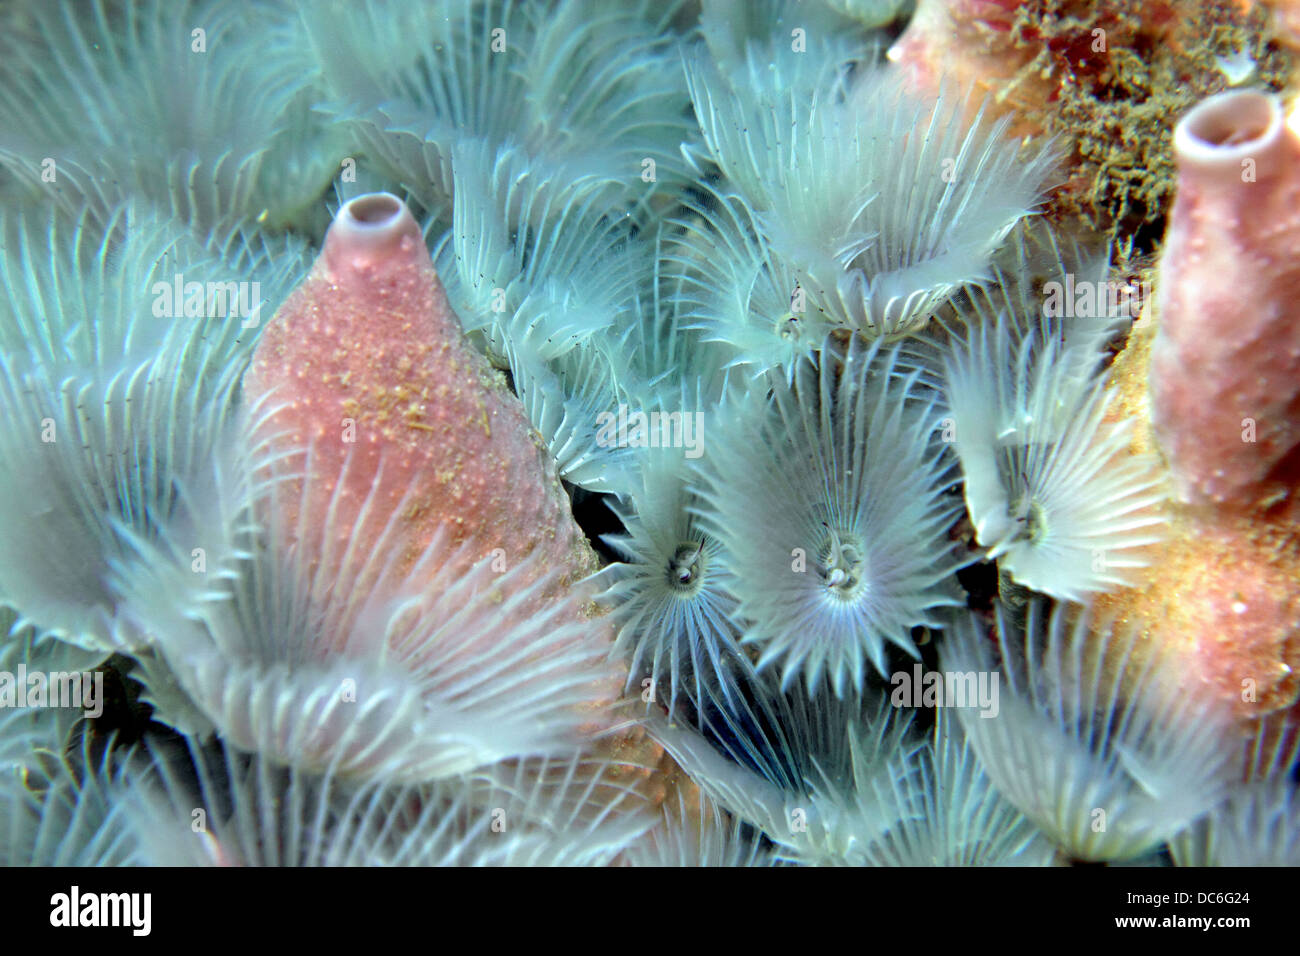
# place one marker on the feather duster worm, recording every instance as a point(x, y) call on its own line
point(330, 651)
point(845, 787)
point(117, 399)
point(672, 593)
point(63, 802)
point(1258, 822)
point(257, 812)
point(831, 500)
point(191, 132)
point(1052, 488)
point(884, 204)
point(592, 88)
point(533, 259)
point(1094, 740)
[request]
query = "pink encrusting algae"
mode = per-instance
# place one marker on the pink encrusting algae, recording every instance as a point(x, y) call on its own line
point(366, 362)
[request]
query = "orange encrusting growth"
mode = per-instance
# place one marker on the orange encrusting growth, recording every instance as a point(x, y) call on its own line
point(1222, 594)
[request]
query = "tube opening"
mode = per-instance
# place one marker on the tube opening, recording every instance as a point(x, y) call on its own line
point(375, 209)
point(1230, 123)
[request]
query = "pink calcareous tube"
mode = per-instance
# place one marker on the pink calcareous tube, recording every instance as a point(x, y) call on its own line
point(1225, 369)
point(366, 364)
